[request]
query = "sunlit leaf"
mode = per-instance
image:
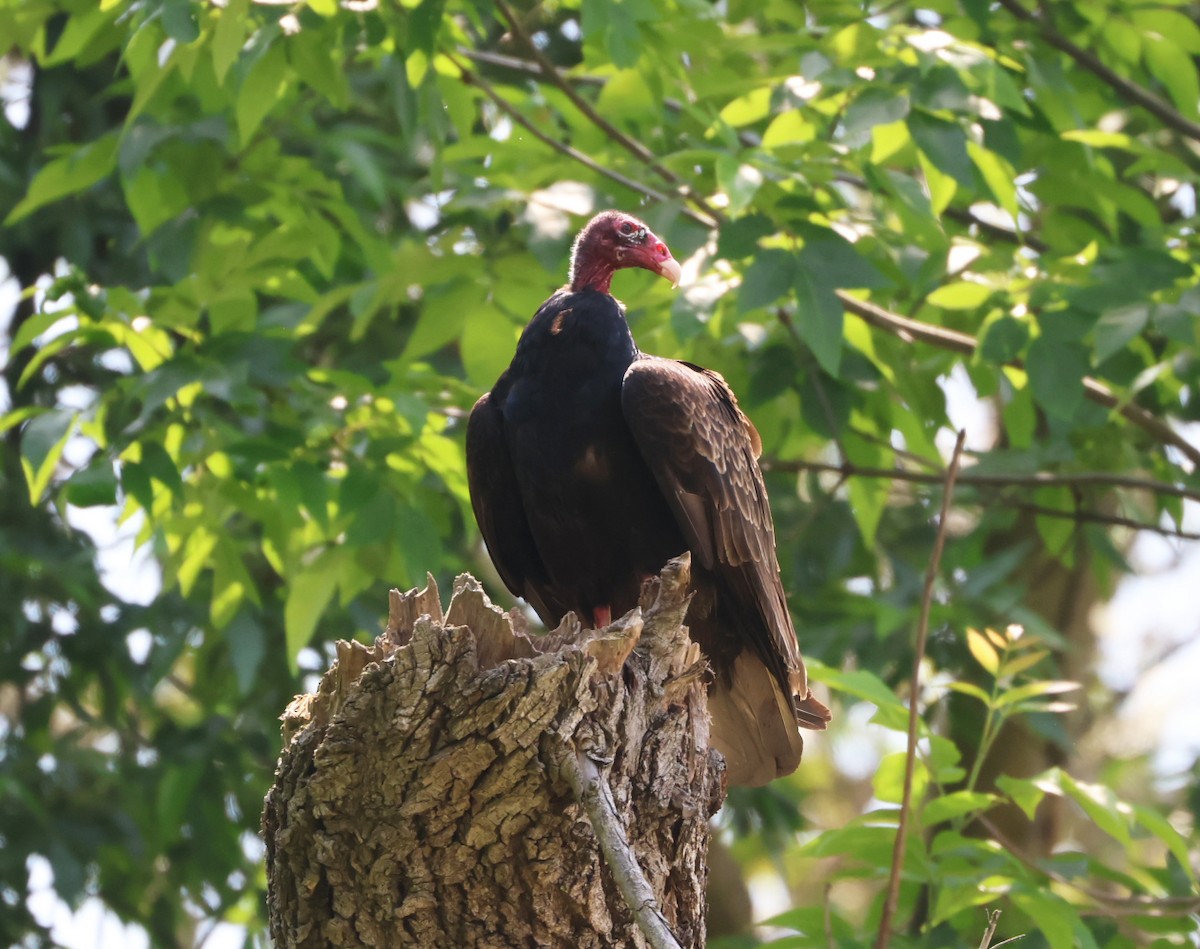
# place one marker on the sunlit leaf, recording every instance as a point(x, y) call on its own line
point(42, 442)
point(983, 651)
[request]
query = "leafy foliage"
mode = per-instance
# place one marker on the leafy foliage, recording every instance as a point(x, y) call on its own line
point(269, 255)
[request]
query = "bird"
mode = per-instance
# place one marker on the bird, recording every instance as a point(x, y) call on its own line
point(591, 464)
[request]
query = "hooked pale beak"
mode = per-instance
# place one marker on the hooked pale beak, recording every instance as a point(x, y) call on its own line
point(670, 269)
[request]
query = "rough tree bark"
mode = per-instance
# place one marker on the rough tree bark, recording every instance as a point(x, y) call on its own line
point(436, 789)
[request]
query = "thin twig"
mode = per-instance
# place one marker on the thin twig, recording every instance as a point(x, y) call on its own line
point(549, 71)
point(518, 64)
point(1108, 520)
point(1158, 906)
point(1040, 479)
point(593, 794)
point(964, 343)
point(848, 470)
point(993, 917)
point(474, 79)
point(939, 544)
point(829, 917)
point(901, 326)
point(1130, 90)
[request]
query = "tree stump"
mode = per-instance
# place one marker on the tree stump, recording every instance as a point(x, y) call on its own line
point(461, 783)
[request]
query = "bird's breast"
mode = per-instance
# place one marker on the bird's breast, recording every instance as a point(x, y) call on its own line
point(593, 464)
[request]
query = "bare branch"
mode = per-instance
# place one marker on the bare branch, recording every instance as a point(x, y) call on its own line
point(1159, 906)
point(905, 328)
point(1128, 89)
point(993, 921)
point(474, 79)
point(1039, 479)
point(593, 794)
point(909, 330)
point(549, 71)
point(1108, 520)
point(848, 470)
point(939, 544)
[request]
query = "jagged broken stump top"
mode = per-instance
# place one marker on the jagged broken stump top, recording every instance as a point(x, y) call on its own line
point(430, 774)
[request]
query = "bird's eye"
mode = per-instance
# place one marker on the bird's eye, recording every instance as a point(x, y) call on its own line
point(626, 227)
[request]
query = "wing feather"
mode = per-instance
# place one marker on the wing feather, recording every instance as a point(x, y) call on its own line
point(500, 512)
point(703, 453)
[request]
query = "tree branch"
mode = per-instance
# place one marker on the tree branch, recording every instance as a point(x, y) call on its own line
point(474, 79)
point(909, 330)
point(1159, 906)
point(1039, 479)
point(593, 794)
point(1128, 89)
point(551, 72)
point(939, 544)
point(901, 326)
point(849, 470)
point(993, 922)
point(1108, 520)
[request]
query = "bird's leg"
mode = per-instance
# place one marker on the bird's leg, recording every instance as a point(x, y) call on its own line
point(601, 616)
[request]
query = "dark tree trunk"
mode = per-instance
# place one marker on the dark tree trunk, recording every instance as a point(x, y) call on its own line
point(441, 787)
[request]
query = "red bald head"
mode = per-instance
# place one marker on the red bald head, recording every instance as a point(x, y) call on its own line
point(613, 240)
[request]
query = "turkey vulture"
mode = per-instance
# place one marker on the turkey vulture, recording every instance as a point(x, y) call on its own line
point(592, 464)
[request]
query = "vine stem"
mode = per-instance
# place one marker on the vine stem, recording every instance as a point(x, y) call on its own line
point(910, 758)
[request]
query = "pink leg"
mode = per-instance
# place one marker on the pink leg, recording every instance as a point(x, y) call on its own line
point(601, 616)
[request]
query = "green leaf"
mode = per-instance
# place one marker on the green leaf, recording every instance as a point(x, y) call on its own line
point(749, 108)
point(71, 174)
point(739, 238)
point(308, 594)
point(836, 262)
point(81, 28)
point(1056, 371)
point(863, 685)
point(1051, 913)
point(1180, 28)
point(889, 778)
point(962, 295)
point(875, 106)
point(1115, 328)
point(1166, 833)
point(92, 486)
point(819, 320)
point(1024, 792)
point(1032, 690)
point(788, 128)
point(967, 688)
point(983, 651)
point(487, 345)
point(247, 646)
point(229, 36)
point(1101, 804)
point(771, 275)
point(1003, 339)
point(999, 176)
point(261, 90)
point(175, 792)
point(957, 804)
point(42, 442)
point(1175, 69)
point(179, 20)
point(944, 144)
point(739, 181)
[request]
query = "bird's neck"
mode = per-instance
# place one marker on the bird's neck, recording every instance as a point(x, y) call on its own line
point(592, 274)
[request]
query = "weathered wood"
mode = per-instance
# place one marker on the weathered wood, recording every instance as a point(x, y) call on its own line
point(424, 793)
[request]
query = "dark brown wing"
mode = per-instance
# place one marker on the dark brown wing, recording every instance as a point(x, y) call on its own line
point(703, 453)
point(500, 511)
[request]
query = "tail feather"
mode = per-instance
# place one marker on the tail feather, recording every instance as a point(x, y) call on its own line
point(812, 713)
point(754, 724)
